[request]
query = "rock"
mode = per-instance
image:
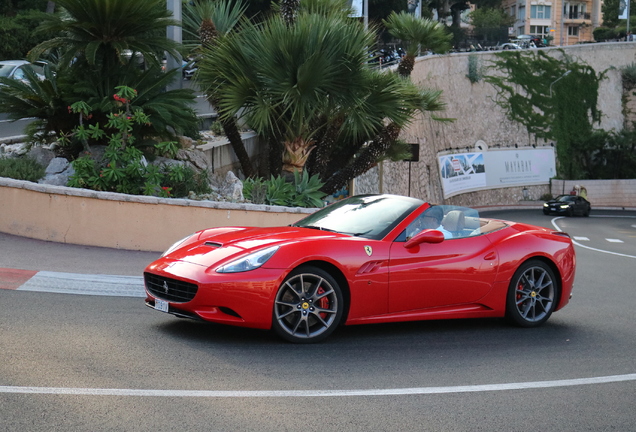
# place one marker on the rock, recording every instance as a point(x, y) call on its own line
point(41, 155)
point(58, 172)
point(195, 158)
point(232, 188)
point(14, 150)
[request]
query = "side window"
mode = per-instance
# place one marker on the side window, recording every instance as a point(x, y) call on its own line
point(18, 74)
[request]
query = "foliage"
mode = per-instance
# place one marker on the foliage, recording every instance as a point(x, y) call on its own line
point(417, 34)
point(18, 35)
point(308, 91)
point(48, 101)
point(610, 12)
point(22, 168)
point(491, 24)
point(124, 168)
point(103, 32)
point(490, 18)
point(474, 69)
point(303, 192)
point(556, 99)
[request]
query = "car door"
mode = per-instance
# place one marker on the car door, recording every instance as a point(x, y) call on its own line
point(430, 275)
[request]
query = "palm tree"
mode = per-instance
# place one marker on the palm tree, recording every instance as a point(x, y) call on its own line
point(307, 88)
point(106, 32)
point(204, 21)
point(101, 44)
point(417, 34)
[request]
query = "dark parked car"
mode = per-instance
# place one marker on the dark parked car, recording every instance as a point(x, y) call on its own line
point(568, 205)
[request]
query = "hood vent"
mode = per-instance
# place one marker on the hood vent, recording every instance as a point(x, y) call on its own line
point(212, 244)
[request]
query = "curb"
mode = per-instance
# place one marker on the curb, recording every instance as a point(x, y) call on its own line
point(72, 283)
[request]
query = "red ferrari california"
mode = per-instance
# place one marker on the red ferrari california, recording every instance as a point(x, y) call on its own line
point(366, 259)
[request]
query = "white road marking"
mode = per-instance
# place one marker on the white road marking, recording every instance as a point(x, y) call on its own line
point(315, 393)
point(614, 240)
point(581, 238)
point(72, 283)
point(554, 224)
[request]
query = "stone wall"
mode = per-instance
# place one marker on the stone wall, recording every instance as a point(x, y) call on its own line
point(477, 117)
point(601, 193)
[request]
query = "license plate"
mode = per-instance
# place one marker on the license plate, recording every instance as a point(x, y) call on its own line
point(161, 305)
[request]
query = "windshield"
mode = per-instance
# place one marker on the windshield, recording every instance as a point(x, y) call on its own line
point(5, 70)
point(368, 216)
point(566, 198)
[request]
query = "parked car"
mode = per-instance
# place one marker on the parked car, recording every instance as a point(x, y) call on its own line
point(14, 69)
point(568, 205)
point(366, 259)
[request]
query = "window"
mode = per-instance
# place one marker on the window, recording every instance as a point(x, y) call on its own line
point(573, 31)
point(540, 11)
point(522, 13)
point(513, 11)
point(540, 30)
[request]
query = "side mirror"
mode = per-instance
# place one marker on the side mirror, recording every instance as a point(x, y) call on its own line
point(426, 236)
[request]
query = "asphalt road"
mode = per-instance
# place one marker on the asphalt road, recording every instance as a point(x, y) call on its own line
point(77, 363)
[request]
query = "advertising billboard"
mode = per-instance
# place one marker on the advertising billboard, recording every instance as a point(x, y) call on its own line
point(467, 172)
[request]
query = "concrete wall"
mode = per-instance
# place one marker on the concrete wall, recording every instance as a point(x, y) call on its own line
point(601, 193)
point(84, 217)
point(479, 118)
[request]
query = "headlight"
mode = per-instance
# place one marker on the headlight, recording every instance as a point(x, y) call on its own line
point(545, 205)
point(176, 245)
point(564, 206)
point(249, 262)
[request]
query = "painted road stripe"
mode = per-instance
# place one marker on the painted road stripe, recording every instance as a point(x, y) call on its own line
point(554, 224)
point(14, 278)
point(581, 238)
point(72, 283)
point(614, 240)
point(315, 393)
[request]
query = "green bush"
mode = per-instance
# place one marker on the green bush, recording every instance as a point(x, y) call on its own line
point(21, 169)
point(18, 35)
point(123, 168)
point(303, 192)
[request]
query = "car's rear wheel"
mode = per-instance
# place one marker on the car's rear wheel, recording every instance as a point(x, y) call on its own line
point(532, 294)
point(308, 306)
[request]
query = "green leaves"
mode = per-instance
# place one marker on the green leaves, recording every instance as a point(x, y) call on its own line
point(303, 192)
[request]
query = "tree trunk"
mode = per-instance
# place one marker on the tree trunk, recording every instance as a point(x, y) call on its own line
point(234, 136)
point(50, 7)
point(369, 156)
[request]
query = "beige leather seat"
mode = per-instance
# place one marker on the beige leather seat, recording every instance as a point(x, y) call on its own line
point(454, 222)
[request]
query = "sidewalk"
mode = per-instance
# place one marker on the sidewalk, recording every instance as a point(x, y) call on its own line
point(36, 265)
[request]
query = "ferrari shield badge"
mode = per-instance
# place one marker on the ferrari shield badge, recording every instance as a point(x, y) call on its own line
point(368, 250)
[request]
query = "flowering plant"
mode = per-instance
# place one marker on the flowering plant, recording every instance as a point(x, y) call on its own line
point(125, 168)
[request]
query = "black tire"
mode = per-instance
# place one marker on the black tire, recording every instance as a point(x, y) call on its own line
point(545, 212)
point(532, 294)
point(308, 306)
point(587, 212)
point(570, 212)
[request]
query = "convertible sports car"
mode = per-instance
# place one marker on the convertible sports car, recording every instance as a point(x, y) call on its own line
point(365, 259)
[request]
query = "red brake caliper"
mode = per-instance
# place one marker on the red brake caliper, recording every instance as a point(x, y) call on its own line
point(323, 303)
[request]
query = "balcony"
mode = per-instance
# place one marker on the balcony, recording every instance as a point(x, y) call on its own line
point(577, 17)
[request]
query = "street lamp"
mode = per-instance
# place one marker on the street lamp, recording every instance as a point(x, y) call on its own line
point(567, 72)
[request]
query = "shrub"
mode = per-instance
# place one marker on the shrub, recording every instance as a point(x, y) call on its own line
point(303, 192)
point(23, 168)
point(124, 168)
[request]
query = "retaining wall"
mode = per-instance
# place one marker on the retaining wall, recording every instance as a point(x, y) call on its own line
point(79, 216)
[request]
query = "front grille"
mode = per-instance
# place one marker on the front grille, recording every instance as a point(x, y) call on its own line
point(172, 290)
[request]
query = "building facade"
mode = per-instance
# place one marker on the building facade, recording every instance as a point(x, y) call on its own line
point(563, 22)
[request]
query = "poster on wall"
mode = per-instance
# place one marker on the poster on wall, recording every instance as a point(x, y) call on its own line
point(467, 172)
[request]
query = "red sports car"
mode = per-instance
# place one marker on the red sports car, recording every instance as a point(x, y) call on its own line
point(365, 259)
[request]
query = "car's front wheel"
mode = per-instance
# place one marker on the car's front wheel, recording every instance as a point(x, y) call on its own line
point(308, 306)
point(532, 294)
